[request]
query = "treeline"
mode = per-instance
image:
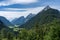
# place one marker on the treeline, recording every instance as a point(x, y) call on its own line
point(48, 31)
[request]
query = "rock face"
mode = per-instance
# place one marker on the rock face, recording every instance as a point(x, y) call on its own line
point(47, 7)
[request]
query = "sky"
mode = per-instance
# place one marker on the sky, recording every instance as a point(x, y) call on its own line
point(16, 8)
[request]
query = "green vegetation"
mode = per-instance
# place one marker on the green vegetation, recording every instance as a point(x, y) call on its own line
point(50, 31)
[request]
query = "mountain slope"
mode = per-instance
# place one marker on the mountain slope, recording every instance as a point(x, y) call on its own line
point(2, 25)
point(43, 17)
point(29, 17)
point(5, 21)
point(19, 21)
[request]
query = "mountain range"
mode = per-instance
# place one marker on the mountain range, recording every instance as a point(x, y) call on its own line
point(21, 20)
point(46, 16)
point(4, 23)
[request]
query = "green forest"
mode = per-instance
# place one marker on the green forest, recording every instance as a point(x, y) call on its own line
point(50, 31)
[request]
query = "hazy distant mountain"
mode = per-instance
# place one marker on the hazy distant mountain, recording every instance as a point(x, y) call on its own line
point(18, 21)
point(5, 21)
point(22, 19)
point(14, 20)
point(45, 16)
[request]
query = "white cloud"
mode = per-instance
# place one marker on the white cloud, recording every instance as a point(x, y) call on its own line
point(3, 4)
point(11, 15)
point(55, 7)
point(14, 9)
point(24, 1)
point(9, 2)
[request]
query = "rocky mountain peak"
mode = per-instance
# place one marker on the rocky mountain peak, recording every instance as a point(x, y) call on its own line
point(47, 7)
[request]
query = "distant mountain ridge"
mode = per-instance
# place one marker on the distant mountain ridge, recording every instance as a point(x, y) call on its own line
point(21, 20)
point(18, 21)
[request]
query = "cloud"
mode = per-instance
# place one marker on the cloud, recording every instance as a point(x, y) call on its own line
point(13, 10)
point(23, 1)
point(11, 15)
point(9, 2)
